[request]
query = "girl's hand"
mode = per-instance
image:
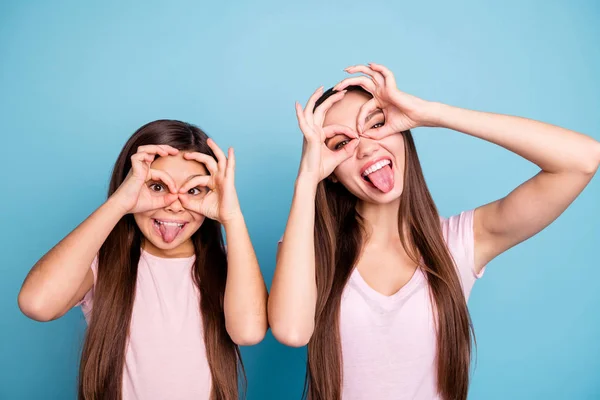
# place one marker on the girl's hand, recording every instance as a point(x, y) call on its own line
point(214, 195)
point(401, 110)
point(144, 188)
point(318, 160)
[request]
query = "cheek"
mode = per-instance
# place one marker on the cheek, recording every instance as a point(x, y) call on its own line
point(142, 218)
point(197, 219)
point(343, 172)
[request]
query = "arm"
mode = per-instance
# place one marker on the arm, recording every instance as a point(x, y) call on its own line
point(245, 302)
point(568, 161)
point(61, 278)
point(293, 297)
point(245, 292)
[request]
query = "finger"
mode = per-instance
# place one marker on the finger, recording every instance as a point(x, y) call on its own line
point(388, 75)
point(308, 133)
point(366, 109)
point(156, 175)
point(141, 158)
point(192, 205)
point(332, 130)
point(375, 75)
point(230, 172)
point(379, 133)
point(203, 181)
point(319, 115)
point(161, 150)
point(137, 164)
point(205, 159)
point(365, 82)
point(341, 155)
point(163, 201)
point(221, 159)
point(310, 105)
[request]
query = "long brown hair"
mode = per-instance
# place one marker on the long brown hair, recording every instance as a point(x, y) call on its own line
point(103, 356)
point(339, 233)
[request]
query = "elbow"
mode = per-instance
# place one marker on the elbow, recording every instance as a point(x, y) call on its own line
point(248, 338)
point(596, 159)
point(592, 163)
point(291, 336)
point(34, 307)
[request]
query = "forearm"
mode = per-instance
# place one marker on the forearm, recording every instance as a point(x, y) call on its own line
point(293, 295)
point(57, 277)
point(245, 292)
point(552, 148)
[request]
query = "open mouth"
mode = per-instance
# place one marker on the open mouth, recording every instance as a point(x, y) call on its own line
point(380, 175)
point(168, 230)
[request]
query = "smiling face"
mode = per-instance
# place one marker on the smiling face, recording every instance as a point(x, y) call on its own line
point(168, 230)
point(375, 173)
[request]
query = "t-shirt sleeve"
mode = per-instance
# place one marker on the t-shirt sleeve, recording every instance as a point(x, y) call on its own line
point(88, 300)
point(458, 234)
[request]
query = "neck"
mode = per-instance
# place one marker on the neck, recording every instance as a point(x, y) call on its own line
point(184, 250)
point(381, 222)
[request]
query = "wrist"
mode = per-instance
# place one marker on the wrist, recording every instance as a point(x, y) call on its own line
point(306, 182)
point(433, 114)
point(115, 206)
point(233, 220)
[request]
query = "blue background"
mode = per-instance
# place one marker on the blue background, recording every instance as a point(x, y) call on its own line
point(77, 78)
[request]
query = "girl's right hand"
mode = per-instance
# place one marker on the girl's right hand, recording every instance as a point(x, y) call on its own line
point(318, 161)
point(143, 187)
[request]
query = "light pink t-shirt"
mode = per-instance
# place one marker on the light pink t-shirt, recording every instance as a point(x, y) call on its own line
point(166, 355)
point(389, 342)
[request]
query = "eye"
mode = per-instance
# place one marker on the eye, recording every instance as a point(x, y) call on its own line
point(196, 191)
point(156, 187)
point(342, 144)
point(338, 141)
point(377, 125)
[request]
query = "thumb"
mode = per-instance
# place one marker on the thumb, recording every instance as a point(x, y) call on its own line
point(346, 152)
point(379, 133)
point(164, 201)
point(191, 205)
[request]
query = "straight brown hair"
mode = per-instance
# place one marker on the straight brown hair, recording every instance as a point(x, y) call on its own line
point(104, 349)
point(339, 236)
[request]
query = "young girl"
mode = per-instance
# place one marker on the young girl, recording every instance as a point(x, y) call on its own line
point(166, 303)
point(367, 273)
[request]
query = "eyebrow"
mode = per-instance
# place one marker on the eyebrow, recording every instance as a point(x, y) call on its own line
point(194, 176)
point(371, 115)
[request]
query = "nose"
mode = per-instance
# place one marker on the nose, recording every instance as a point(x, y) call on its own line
point(366, 148)
point(175, 207)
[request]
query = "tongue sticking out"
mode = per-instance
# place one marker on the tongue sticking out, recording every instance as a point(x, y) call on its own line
point(168, 232)
point(383, 179)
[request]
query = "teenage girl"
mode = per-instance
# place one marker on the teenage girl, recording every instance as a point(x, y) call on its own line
point(367, 273)
point(166, 302)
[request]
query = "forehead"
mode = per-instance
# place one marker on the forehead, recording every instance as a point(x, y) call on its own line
point(179, 168)
point(345, 111)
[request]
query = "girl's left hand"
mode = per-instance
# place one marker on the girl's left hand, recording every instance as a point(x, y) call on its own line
point(402, 111)
point(220, 202)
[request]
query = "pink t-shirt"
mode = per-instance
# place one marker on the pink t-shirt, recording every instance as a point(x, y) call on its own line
point(389, 342)
point(166, 355)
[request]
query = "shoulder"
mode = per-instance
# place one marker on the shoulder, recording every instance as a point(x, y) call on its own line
point(457, 231)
